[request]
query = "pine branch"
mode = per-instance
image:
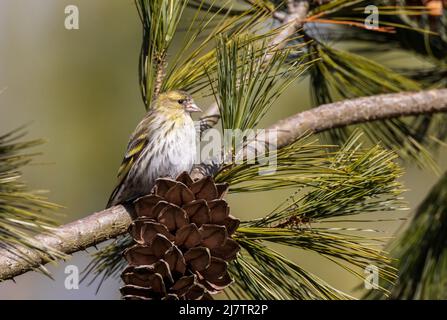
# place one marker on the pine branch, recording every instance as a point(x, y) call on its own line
point(114, 221)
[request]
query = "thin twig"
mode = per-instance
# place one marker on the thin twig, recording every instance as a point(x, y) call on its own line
point(160, 65)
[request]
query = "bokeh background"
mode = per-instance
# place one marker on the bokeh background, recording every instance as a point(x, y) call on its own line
point(79, 90)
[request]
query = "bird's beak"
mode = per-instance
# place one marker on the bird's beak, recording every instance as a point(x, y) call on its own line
point(192, 107)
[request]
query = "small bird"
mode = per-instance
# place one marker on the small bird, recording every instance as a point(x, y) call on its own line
point(162, 145)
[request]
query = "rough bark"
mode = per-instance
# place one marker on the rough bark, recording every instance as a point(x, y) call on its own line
point(360, 110)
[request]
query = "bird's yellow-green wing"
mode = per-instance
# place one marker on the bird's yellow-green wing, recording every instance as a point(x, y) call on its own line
point(135, 147)
point(133, 152)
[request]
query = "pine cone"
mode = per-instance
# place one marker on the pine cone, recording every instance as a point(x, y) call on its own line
point(183, 241)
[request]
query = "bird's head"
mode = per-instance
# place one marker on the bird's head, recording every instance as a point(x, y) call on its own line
point(177, 100)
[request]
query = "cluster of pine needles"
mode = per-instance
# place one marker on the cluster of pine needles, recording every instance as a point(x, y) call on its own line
point(23, 213)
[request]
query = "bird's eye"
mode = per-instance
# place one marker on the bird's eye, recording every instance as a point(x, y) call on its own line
point(181, 101)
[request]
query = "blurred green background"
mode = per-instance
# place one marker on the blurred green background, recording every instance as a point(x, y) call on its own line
point(79, 90)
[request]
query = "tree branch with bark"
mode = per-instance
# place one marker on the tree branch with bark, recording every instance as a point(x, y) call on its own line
point(110, 223)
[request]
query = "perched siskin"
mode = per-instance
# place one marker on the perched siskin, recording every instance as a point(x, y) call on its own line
point(162, 145)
